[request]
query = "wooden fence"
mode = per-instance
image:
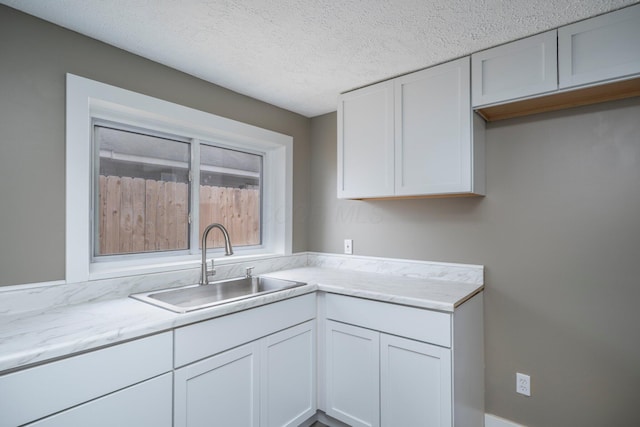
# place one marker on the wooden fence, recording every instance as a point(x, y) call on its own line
point(143, 215)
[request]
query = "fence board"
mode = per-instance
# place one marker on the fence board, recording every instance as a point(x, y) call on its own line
point(112, 220)
point(126, 212)
point(151, 202)
point(138, 215)
point(138, 202)
point(170, 214)
point(102, 248)
point(182, 215)
point(161, 218)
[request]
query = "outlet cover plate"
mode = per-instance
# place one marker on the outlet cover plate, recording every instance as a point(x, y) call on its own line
point(523, 384)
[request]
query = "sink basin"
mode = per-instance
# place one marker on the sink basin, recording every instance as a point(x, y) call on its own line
point(195, 297)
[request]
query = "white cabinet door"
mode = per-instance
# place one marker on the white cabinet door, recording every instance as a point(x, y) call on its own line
point(288, 376)
point(38, 392)
point(433, 143)
point(221, 390)
point(365, 142)
point(352, 374)
point(601, 48)
point(514, 70)
point(147, 404)
point(415, 382)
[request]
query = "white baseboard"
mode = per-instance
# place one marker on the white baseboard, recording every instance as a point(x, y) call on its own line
point(493, 421)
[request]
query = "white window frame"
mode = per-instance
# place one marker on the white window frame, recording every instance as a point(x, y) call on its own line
point(88, 99)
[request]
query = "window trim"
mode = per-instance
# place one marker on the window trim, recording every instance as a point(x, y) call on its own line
point(88, 100)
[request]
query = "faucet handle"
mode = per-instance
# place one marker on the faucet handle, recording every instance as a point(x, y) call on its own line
point(212, 272)
point(248, 273)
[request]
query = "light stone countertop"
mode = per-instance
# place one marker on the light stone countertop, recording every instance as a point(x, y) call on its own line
point(423, 293)
point(34, 337)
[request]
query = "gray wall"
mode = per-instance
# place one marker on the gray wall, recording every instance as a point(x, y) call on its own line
point(34, 58)
point(559, 235)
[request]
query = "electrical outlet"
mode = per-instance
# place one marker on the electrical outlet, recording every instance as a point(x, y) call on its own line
point(523, 384)
point(348, 246)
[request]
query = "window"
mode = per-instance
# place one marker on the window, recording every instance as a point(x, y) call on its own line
point(141, 192)
point(229, 194)
point(142, 184)
point(145, 177)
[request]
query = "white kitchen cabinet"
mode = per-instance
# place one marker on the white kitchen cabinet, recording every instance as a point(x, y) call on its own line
point(269, 382)
point(288, 376)
point(376, 379)
point(147, 404)
point(204, 339)
point(247, 371)
point(598, 49)
point(515, 70)
point(389, 365)
point(415, 383)
point(35, 393)
point(365, 142)
point(223, 389)
point(412, 136)
point(352, 374)
point(436, 151)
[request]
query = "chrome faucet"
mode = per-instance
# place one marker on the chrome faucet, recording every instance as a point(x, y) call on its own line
point(228, 250)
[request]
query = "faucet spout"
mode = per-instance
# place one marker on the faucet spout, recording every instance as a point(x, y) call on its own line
point(228, 250)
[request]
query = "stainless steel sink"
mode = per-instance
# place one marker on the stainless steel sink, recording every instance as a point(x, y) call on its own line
point(195, 297)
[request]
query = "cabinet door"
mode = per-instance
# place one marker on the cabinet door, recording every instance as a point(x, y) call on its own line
point(222, 390)
point(352, 374)
point(37, 392)
point(433, 146)
point(145, 404)
point(415, 383)
point(365, 142)
point(288, 376)
point(601, 48)
point(514, 70)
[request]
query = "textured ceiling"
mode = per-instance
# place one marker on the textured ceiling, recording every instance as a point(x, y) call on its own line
point(300, 54)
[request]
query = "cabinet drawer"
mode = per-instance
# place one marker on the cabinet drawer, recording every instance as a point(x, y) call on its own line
point(34, 393)
point(195, 342)
point(145, 404)
point(415, 323)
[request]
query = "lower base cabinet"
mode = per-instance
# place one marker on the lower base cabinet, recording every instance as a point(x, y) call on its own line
point(389, 365)
point(269, 382)
point(383, 365)
point(128, 385)
point(144, 404)
point(220, 389)
point(352, 374)
point(415, 383)
point(375, 379)
point(288, 376)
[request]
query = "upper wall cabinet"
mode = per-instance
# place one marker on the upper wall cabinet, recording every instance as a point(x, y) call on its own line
point(414, 136)
point(434, 142)
point(365, 142)
point(601, 48)
point(598, 60)
point(514, 70)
